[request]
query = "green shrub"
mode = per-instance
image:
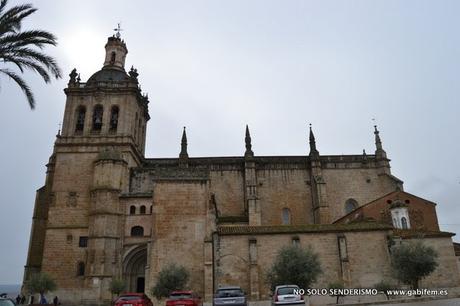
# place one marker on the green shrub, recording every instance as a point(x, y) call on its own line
point(413, 261)
point(294, 265)
point(171, 277)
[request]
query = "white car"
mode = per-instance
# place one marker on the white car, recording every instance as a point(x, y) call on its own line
point(287, 295)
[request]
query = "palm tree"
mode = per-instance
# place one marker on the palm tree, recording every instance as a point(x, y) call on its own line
point(23, 48)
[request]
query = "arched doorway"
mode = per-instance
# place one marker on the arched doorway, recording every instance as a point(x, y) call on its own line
point(134, 269)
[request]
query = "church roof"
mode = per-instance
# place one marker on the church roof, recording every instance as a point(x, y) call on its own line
point(307, 228)
point(108, 75)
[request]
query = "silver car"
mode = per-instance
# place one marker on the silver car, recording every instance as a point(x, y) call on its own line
point(229, 296)
point(287, 295)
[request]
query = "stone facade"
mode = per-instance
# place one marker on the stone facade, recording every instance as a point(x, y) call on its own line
point(108, 212)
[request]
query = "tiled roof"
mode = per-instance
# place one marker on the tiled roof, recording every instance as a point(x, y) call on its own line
point(420, 233)
point(308, 228)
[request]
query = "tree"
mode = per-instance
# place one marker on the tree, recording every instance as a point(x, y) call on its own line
point(117, 286)
point(413, 261)
point(384, 286)
point(41, 283)
point(23, 48)
point(171, 277)
point(294, 265)
point(336, 285)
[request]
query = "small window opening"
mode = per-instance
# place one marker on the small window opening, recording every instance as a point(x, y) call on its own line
point(114, 119)
point(80, 124)
point(350, 205)
point(80, 268)
point(404, 222)
point(137, 231)
point(97, 118)
point(286, 216)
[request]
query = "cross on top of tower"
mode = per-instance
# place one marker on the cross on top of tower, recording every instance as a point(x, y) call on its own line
point(118, 29)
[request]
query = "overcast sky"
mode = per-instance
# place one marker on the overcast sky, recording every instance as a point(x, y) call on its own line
point(214, 66)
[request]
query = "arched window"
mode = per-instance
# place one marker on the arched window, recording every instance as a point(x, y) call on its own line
point(404, 222)
point(114, 119)
point(97, 117)
point(286, 217)
point(80, 122)
point(80, 268)
point(142, 209)
point(137, 231)
point(132, 210)
point(112, 57)
point(350, 205)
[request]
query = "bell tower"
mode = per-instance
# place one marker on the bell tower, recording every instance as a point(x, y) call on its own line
point(115, 53)
point(79, 208)
point(110, 105)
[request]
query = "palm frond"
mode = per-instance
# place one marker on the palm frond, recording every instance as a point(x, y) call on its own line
point(37, 38)
point(22, 84)
point(10, 21)
point(48, 61)
point(23, 48)
point(28, 64)
point(3, 3)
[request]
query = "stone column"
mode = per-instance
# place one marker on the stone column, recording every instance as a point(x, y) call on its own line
point(253, 270)
point(343, 257)
point(250, 182)
point(208, 271)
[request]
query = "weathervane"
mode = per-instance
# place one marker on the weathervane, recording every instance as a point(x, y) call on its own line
point(118, 29)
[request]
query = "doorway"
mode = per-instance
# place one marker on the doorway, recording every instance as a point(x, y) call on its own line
point(140, 284)
point(134, 269)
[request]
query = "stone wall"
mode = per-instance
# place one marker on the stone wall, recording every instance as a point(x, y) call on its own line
point(447, 273)
point(180, 209)
point(228, 189)
point(360, 184)
point(284, 188)
point(368, 258)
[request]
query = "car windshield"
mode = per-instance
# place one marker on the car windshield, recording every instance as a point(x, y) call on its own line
point(6, 303)
point(180, 296)
point(286, 290)
point(129, 297)
point(229, 293)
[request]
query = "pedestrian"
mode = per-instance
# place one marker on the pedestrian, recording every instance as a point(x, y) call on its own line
point(18, 299)
point(23, 299)
point(43, 299)
point(55, 301)
point(32, 298)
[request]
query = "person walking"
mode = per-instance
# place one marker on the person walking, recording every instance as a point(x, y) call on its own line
point(55, 301)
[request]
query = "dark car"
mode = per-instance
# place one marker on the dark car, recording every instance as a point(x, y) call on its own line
point(133, 299)
point(6, 302)
point(183, 298)
point(230, 295)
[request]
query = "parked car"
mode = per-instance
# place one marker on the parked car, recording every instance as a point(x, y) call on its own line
point(286, 295)
point(183, 298)
point(133, 299)
point(6, 302)
point(230, 295)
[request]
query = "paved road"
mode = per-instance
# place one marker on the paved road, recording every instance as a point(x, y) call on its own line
point(447, 302)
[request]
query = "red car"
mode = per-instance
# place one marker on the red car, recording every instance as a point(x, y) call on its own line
point(133, 299)
point(183, 298)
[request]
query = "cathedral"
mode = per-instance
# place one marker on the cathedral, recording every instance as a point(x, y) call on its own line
point(106, 211)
